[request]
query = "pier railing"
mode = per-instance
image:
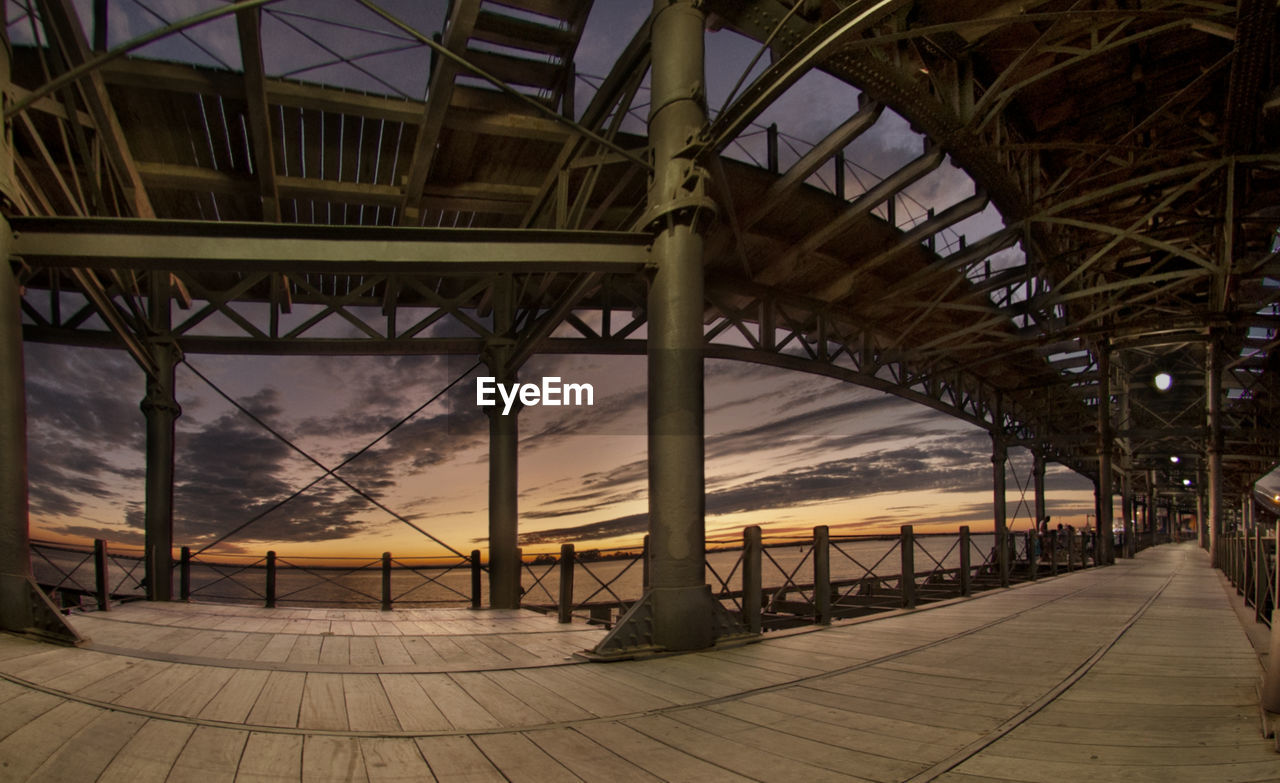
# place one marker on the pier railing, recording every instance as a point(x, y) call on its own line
point(770, 582)
point(99, 576)
point(1250, 564)
point(774, 582)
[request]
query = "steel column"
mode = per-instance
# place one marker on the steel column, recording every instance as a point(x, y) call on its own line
point(161, 410)
point(677, 612)
point(1213, 404)
point(676, 482)
point(23, 606)
point(1126, 513)
point(1000, 455)
point(504, 481)
point(1201, 527)
point(1103, 546)
point(1037, 473)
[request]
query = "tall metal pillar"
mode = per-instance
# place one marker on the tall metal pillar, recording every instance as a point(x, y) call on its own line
point(1213, 405)
point(677, 612)
point(161, 409)
point(1201, 523)
point(24, 608)
point(1106, 446)
point(1037, 473)
point(1125, 425)
point(1151, 514)
point(1126, 512)
point(999, 456)
point(504, 483)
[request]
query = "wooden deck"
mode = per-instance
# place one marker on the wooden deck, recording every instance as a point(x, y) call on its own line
point(1140, 672)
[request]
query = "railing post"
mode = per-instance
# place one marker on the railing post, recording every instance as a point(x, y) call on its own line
point(184, 574)
point(1033, 553)
point(566, 583)
point(475, 578)
point(822, 575)
point(1242, 565)
point(1071, 550)
point(102, 582)
point(751, 588)
point(907, 579)
point(1053, 553)
point(271, 580)
point(386, 581)
point(966, 560)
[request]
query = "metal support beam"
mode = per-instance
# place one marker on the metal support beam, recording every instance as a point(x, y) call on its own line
point(457, 31)
point(999, 456)
point(1202, 523)
point(255, 247)
point(1104, 552)
point(161, 409)
point(63, 24)
point(249, 27)
point(1213, 449)
point(504, 485)
point(24, 608)
point(1126, 513)
point(677, 612)
point(1037, 473)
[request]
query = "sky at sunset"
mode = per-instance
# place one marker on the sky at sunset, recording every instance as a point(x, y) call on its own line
point(784, 450)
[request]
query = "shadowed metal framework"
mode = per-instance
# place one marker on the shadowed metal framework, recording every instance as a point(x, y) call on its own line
point(1129, 148)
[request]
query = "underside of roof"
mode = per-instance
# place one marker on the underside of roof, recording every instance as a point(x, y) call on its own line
point(1123, 153)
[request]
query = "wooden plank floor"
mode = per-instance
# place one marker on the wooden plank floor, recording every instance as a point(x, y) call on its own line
point(334, 640)
point(1136, 672)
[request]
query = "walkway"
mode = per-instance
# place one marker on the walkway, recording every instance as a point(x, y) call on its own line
point(1140, 672)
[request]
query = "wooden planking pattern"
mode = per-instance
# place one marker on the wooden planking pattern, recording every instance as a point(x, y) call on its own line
point(961, 693)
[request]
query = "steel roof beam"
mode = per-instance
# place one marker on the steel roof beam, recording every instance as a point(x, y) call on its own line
point(66, 29)
point(249, 28)
point(251, 247)
point(457, 31)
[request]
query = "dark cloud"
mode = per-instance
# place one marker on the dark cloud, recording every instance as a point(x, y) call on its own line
point(914, 468)
point(899, 470)
point(794, 428)
point(113, 534)
point(599, 490)
point(231, 471)
point(631, 524)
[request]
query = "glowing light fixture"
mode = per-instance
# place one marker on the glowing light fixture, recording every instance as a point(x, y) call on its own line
point(1163, 381)
point(1174, 459)
point(1186, 482)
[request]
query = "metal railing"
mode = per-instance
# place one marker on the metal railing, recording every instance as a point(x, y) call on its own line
point(1249, 562)
point(769, 582)
point(72, 573)
point(784, 581)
